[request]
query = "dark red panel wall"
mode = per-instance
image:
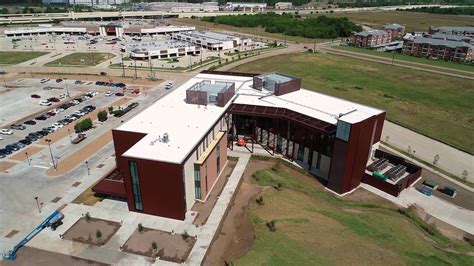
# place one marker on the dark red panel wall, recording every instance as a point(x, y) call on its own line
point(162, 191)
point(378, 131)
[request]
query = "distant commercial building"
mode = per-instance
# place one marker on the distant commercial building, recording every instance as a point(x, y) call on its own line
point(171, 154)
point(370, 38)
point(441, 49)
point(159, 49)
point(395, 30)
point(212, 40)
point(88, 3)
point(178, 7)
point(97, 29)
point(465, 31)
point(283, 5)
point(245, 6)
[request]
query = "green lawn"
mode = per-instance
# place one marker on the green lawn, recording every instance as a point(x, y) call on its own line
point(435, 105)
point(90, 59)
point(446, 64)
point(13, 58)
point(314, 227)
point(414, 21)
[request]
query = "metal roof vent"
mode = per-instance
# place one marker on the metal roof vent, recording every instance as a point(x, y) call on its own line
point(165, 138)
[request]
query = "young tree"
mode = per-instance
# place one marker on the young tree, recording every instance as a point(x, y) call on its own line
point(98, 234)
point(102, 116)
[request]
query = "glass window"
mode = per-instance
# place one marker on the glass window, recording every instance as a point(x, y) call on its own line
point(218, 150)
point(137, 197)
point(300, 156)
point(343, 130)
point(197, 182)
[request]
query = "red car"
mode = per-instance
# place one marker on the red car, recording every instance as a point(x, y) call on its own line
point(53, 99)
point(119, 94)
point(36, 96)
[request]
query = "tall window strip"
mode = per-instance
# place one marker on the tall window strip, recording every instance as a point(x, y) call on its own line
point(218, 150)
point(137, 197)
point(197, 182)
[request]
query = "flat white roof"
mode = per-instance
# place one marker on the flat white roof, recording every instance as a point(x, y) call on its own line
point(186, 124)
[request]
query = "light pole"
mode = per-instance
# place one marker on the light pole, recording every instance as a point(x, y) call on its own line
point(51, 153)
point(123, 67)
point(38, 204)
point(88, 169)
point(135, 61)
point(27, 158)
point(67, 89)
point(69, 133)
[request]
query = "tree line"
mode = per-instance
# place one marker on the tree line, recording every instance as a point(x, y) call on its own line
point(448, 11)
point(320, 27)
point(374, 3)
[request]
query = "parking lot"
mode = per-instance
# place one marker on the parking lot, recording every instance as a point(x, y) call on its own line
point(49, 118)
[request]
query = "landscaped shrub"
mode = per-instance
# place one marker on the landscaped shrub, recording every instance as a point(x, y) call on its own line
point(83, 125)
point(140, 227)
point(102, 116)
point(185, 235)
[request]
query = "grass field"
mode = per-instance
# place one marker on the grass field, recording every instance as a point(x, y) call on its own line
point(314, 227)
point(413, 21)
point(409, 58)
point(13, 58)
point(435, 105)
point(259, 32)
point(90, 59)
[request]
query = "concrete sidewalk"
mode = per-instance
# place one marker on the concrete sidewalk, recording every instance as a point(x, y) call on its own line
point(208, 231)
point(451, 159)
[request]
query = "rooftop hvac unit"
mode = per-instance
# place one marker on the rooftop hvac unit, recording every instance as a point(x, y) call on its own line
point(165, 138)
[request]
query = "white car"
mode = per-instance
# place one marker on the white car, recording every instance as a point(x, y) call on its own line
point(70, 117)
point(6, 131)
point(95, 93)
point(109, 93)
point(57, 125)
point(45, 103)
point(62, 96)
point(44, 80)
point(76, 102)
point(79, 113)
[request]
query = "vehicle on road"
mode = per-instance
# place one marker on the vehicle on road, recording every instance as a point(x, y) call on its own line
point(59, 80)
point(36, 96)
point(119, 94)
point(53, 99)
point(80, 137)
point(44, 80)
point(6, 131)
point(108, 93)
point(78, 82)
point(62, 96)
point(29, 122)
point(44, 103)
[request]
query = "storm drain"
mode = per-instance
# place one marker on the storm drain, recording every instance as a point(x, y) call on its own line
point(76, 184)
point(56, 199)
point(12, 233)
point(100, 165)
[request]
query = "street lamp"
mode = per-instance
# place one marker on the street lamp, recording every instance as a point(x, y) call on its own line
point(51, 153)
point(88, 169)
point(67, 89)
point(69, 133)
point(38, 204)
point(27, 158)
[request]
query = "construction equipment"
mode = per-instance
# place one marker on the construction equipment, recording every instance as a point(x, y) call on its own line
point(53, 221)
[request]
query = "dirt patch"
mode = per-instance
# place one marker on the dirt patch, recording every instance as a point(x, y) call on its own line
point(79, 156)
point(363, 195)
point(21, 156)
point(204, 209)
point(4, 166)
point(175, 248)
point(236, 234)
point(38, 257)
point(85, 231)
point(121, 101)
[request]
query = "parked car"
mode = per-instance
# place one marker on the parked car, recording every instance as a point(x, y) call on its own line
point(119, 94)
point(12, 147)
point(76, 102)
point(108, 93)
point(53, 99)
point(51, 113)
point(59, 80)
point(47, 88)
point(80, 137)
point(62, 96)
point(44, 103)
point(44, 80)
point(78, 82)
point(41, 117)
point(30, 122)
point(17, 127)
point(6, 131)
point(36, 96)
point(25, 141)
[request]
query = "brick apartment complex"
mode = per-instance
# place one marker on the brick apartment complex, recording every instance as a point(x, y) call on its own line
point(370, 38)
point(395, 30)
point(465, 31)
point(441, 49)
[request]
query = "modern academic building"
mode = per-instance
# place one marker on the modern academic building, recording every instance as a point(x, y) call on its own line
point(159, 49)
point(214, 41)
point(171, 154)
